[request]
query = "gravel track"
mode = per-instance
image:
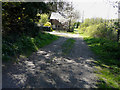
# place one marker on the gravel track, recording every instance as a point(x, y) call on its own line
point(48, 68)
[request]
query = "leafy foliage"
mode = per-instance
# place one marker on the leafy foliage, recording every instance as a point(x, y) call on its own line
point(99, 28)
point(20, 17)
point(101, 37)
point(25, 45)
point(20, 33)
point(43, 19)
point(47, 24)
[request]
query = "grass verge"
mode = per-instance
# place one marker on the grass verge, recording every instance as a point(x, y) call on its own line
point(108, 65)
point(67, 46)
point(25, 45)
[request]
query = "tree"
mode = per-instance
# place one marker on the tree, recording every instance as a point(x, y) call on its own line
point(43, 18)
point(68, 12)
point(116, 4)
point(20, 17)
point(117, 27)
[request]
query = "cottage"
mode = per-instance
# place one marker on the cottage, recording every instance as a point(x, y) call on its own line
point(56, 24)
point(58, 21)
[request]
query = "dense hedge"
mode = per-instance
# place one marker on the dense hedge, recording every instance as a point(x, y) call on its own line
point(99, 28)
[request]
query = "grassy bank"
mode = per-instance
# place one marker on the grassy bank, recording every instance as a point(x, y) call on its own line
point(108, 63)
point(25, 45)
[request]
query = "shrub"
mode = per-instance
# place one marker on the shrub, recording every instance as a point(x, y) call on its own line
point(44, 18)
point(97, 28)
point(90, 31)
point(82, 30)
point(25, 45)
point(47, 24)
point(101, 30)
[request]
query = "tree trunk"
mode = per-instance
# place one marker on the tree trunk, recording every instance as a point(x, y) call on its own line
point(118, 35)
point(69, 25)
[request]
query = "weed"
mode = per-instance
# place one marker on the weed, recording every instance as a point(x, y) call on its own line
point(67, 46)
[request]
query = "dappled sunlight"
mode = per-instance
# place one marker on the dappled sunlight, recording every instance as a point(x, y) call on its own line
point(30, 66)
point(21, 78)
point(86, 86)
point(66, 35)
point(49, 44)
point(47, 55)
point(65, 77)
point(49, 68)
point(41, 52)
point(69, 61)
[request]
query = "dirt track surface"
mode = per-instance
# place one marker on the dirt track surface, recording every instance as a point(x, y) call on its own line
point(48, 68)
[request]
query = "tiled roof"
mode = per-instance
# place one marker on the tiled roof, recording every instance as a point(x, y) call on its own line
point(57, 16)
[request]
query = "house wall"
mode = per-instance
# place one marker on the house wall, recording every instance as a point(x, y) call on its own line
point(56, 24)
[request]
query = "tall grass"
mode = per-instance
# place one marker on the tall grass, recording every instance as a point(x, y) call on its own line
point(108, 63)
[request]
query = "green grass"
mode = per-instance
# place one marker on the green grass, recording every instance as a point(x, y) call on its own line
point(25, 45)
point(108, 65)
point(67, 46)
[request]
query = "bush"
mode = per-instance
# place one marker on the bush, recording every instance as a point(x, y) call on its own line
point(100, 30)
point(48, 24)
point(82, 30)
point(44, 18)
point(90, 31)
point(25, 45)
point(97, 28)
point(47, 28)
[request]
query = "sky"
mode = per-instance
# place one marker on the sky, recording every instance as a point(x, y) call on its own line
point(95, 8)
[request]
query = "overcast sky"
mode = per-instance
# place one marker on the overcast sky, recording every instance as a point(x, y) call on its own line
point(95, 8)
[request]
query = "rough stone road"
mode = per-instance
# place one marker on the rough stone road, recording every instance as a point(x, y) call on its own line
point(48, 68)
